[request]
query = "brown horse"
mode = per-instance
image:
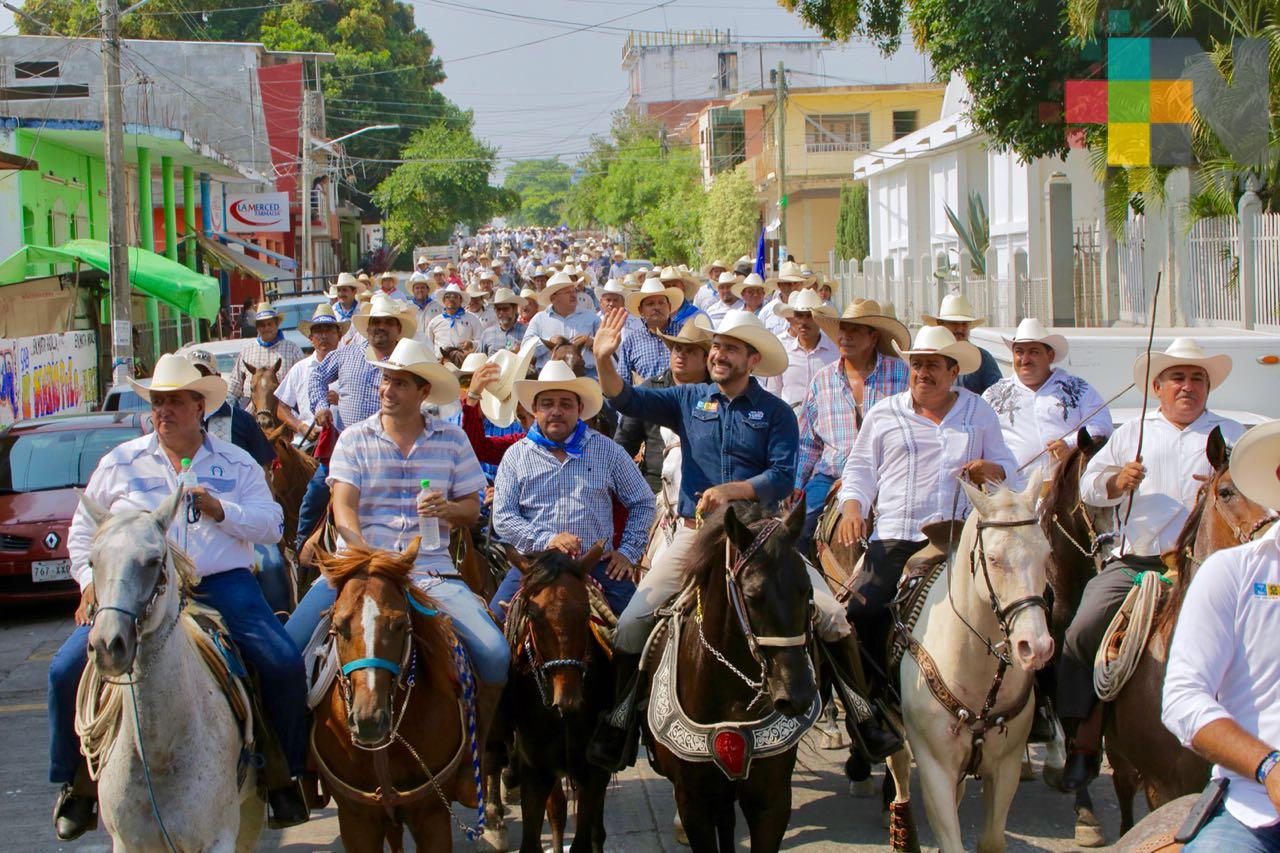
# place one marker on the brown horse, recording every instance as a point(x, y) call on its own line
point(288, 479)
point(389, 740)
point(562, 349)
point(1144, 755)
point(736, 689)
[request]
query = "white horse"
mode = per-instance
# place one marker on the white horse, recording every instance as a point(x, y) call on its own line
point(173, 747)
point(984, 630)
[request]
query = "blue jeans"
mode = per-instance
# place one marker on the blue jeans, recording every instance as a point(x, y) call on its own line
point(262, 643)
point(482, 638)
point(617, 593)
point(1224, 832)
point(815, 498)
point(314, 503)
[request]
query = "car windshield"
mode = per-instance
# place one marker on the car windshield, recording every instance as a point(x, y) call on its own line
point(294, 312)
point(126, 400)
point(55, 459)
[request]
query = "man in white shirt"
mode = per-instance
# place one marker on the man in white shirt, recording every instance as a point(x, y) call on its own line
point(726, 300)
point(564, 316)
point(1152, 493)
point(709, 293)
point(788, 280)
point(425, 308)
point(906, 463)
point(1222, 684)
point(753, 290)
point(293, 402)
point(454, 329)
point(1041, 406)
point(390, 285)
point(808, 349)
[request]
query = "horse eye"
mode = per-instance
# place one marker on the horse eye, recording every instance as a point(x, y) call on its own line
point(1226, 493)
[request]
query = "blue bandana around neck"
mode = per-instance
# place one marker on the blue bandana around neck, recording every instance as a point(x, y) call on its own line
point(454, 316)
point(424, 303)
point(346, 313)
point(574, 446)
point(279, 338)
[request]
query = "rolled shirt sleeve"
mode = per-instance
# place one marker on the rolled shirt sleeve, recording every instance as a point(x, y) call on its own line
point(255, 517)
point(1102, 467)
point(858, 480)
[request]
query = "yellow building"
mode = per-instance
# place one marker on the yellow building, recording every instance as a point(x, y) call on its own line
point(826, 129)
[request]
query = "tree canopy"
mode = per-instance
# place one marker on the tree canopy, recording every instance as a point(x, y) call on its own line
point(731, 220)
point(543, 187)
point(853, 227)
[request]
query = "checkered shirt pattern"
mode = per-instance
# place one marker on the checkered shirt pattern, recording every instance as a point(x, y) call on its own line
point(644, 353)
point(357, 383)
point(256, 355)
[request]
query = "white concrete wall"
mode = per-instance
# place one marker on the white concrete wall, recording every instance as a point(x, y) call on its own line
point(10, 203)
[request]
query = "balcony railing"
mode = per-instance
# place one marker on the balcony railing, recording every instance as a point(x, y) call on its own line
point(835, 147)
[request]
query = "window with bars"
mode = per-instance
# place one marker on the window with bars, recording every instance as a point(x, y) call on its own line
point(727, 74)
point(832, 132)
point(904, 122)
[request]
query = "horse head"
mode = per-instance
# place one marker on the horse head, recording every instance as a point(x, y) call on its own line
point(1011, 552)
point(131, 574)
point(263, 383)
point(1077, 532)
point(775, 599)
point(562, 349)
point(373, 622)
point(558, 608)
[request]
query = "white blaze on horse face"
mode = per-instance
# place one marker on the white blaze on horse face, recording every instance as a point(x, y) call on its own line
point(369, 614)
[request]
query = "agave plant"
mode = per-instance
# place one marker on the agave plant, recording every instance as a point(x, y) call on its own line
point(975, 236)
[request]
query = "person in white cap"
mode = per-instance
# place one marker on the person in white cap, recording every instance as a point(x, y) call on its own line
point(1042, 406)
point(957, 316)
point(1222, 684)
point(343, 293)
point(708, 294)
point(455, 328)
point(726, 299)
point(506, 332)
point(1160, 489)
point(293, 397)
point(808, 349)
point(562, 316)
point(269, 347)
point(425, 308)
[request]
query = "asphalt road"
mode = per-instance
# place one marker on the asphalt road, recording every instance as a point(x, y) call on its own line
point(640, 808)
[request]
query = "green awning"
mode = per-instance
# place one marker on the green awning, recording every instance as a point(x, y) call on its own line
point(155, 275)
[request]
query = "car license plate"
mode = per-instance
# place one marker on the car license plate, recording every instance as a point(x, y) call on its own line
point(50, 570)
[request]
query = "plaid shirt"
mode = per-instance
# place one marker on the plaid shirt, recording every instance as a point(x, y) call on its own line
point(828, 415)
point(644, 353)
point(357, 383)
point(257, 355)
point(494, 338)
point(536, 496)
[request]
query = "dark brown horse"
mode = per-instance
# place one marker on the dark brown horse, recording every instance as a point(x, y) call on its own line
point(389, 740)
point(562, 349)
point(1144, 755)
point(741, 656)
point(288, 479)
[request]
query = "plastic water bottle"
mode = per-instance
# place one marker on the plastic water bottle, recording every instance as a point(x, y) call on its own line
point(188, 479)
point(428, 528)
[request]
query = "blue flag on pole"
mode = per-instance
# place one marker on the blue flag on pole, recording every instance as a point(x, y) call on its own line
point(760, 254)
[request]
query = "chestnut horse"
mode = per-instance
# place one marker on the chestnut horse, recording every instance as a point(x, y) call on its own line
point(288, 480)
point(740, 654)
point(1143, 753)
point(390, 739)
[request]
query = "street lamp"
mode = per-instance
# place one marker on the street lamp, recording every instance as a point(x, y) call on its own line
point(357, 133)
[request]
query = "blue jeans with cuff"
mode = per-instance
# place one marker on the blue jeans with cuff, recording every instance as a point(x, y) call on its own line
point(815, 498)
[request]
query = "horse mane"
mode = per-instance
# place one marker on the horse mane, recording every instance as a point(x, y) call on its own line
point(706, 554)
point(184, 566)
point(547, 567)
point(1059, 487)
point(1171, 606)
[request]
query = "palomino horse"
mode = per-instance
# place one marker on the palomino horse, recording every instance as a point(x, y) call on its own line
point(966, 682)
point(1143, 753)
point(561, 681)
point(390, 738)
point(288, 480)
point(174, 746)
point(735, 689)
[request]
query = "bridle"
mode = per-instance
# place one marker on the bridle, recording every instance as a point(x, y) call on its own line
point(539, 666)
point(157, 592)
point(1096, 540)
point(1243, 536)
point(1006, 614)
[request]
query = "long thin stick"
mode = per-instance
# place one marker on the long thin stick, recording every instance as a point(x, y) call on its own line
point(1095, 411)
point(1146, 386)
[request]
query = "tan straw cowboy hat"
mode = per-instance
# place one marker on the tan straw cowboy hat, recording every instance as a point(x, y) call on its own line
point(473, 362)
point(938, 340)
point(706, 271)
point(415, 357)
point(696, 330)
point(265, 312)
point(1032, 331)
point(557, 375)
point(805, 300)
point(175, 373)
point(789, 272)
point(753, 280)
point(955, 309)
point(746, 327)
point(382, 305)
point(345, 279)
point(676, 277)
point(498, 401)
point(653, 287)
point(1183, 351)
point(558, 282)
point(1255, 464)
point(505, 296)
point(323, 316)
point(867, 312)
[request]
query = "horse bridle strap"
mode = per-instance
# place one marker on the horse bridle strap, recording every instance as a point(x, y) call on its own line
point(371, 663)
point(733, 569)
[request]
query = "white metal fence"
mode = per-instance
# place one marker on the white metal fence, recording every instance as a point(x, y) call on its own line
point(1210, 290)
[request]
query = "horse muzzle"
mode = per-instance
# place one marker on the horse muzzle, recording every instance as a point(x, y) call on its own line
point(113, 641)
point(265, 420)
point(370, 727)
point(790, 682)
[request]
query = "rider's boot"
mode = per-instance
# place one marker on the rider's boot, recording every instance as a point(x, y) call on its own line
point(1084, 759)
point(288, 805)
point(75, 811)
point(615, 742)
point(868, 727)
point(1044, 722)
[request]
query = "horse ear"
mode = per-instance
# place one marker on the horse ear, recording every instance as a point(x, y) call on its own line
point(551, 345)
point(1216, 450)
point(410, 553)
point(794, 522)
point(1035, 481)
point(515, 558)
point(249, 367)
point(275, 368)
point(1083, 440)
point(592, 558)
point(739, 534)
point(96, 511)
point(168, 510)
point(977, 498)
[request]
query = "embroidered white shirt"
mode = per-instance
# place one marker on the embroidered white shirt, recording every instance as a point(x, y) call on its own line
point(906, 466)
point(1032, 419)
point(1173, 458)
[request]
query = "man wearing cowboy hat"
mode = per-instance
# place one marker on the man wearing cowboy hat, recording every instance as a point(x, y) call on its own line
point(676, 277)
point(555, 488)
point(390, 285)
point(808, 349)
point(343, 294)
point(233, 510)
point(726, 299)
point(867, 371)
point(478, 303)
point(263, 350)
point(753, 290)
point(643, 352)
point(708, 294)
point(529, 306)
point(958, 317)
point(1222, 683)
point(227, 422)
point(905, 464)
point(506, 332)
point(611, 296)
point(1041, 406)
point(1152, 494)
point(455, 328)
point(788, 280)
point(739, 443)
point(618, 268)
point(562, 316)
point(425, 308)
point(324, 330)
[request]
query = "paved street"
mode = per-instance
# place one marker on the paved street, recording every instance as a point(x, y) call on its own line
point(640, 806)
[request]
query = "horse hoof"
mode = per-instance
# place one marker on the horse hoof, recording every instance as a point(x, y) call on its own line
point(511, 796)
point(863, 789)
point(492, 841)
point(677, 829)
point(1090, 836)
point(834, 739)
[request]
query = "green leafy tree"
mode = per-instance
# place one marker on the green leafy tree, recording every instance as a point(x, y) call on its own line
point(731, 220)
point(543, 187)
point(853, 227)
point(443, 183)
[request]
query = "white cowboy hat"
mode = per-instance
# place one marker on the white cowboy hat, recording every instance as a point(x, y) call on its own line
point(938, 340)
point(415, 357)
point(746, 327)
point(323, 316)
point(706, 271)
point(619, 254)
point(867, 312)
point(1183, 351)
point(1255, 464)
point(529, 293)
point(744, 261)
point(474, 292)
point(805, 300)
point(752, 280)
point(696, 330)
point(789, 272)
point(612, 286)
point(175, 373)
point(387, 274)
point(437, 270)
point(505, 296)
point(473, 362)
point(498, 401)
point(452, 287)
point(674, 276)
point(382, 305)
point(1032, 331)
point(432, 284)
point(653, 287)
point(955, 309)
point(264, 312)
point(558, 282)
point(345, 279)
point(557, 375)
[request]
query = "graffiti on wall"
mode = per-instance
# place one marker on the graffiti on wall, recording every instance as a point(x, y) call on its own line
point(48, 375)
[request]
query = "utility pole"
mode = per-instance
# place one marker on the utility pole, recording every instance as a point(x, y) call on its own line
point(304, 262)
point(780, 145)
point(117, 216)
